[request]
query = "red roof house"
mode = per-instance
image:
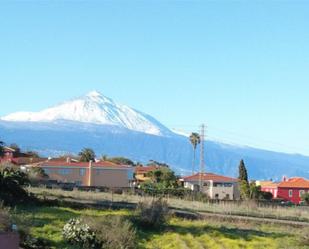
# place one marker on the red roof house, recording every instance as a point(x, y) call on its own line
point(215, 186)
point(292, 189)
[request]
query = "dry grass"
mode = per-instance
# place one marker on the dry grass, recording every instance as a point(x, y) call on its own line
point(245, 209)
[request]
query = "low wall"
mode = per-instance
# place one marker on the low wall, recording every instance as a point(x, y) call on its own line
point(9, 240)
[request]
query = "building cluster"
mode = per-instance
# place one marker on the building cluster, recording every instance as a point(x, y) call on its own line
point(111, 175)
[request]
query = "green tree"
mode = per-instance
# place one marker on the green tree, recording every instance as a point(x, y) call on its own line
point(244, 184)
point(87, 155)
point(195, 139)
point(11, 186)
point(163, 178)
point(1, 148)
point(120, 160)
point(305, 198)
point(16, 148)
point(243, 174)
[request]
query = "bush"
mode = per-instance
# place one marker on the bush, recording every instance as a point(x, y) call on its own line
point(108, 232)
point(34, 243)
point(77, 233)
point(113, 232)
point(154, 214)
point(11, 186)
point(5, 223)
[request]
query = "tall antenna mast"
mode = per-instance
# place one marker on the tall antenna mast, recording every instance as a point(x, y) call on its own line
point(202, 160)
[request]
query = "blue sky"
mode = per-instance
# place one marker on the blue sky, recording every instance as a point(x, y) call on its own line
point(240, 67)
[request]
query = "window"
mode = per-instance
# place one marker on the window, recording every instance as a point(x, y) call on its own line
point(301, 192)
point(97, 172)
point(64, 171)
point(217, 196)
point(82, 172)
point(227, 196)
point(290, 193)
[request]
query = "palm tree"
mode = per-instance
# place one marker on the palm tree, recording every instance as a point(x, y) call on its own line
point(87, 155)
point(195, 139)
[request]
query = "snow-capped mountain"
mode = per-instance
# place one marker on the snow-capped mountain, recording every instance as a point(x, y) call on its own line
point(97, 122)
point(95, 108)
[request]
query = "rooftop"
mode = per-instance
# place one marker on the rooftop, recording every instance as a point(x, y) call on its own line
point(295, 182)
point(57, 163)
point(209, 177)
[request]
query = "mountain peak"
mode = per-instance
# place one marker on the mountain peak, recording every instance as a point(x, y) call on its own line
point(94, 93)
point(94, 108)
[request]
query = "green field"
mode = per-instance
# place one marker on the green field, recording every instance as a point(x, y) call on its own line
point(47, 223)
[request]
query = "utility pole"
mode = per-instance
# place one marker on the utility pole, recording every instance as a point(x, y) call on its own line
point(202, 160)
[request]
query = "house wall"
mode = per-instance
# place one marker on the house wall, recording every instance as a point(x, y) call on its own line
point(112, 178)
point(222, 192)
point(73, 176)
point(284, 194)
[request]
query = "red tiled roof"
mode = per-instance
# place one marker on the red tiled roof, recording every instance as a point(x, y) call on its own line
point(295, 182)
point(82, 164)
point(145, 169)
point(27, 160)
point(210, 177)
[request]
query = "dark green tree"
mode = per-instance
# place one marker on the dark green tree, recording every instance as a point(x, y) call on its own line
point(195, 139)
point(243, 174)
point(1, 148)
point(87, 155)
point(243, 178)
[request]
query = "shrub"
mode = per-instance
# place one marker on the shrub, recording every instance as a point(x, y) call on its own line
point(78, 233)
point(113, 232)
point(154, 214)
point(11, 186)
point(34, 243)
point(4, 219)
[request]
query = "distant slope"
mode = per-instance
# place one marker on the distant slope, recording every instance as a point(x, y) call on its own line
point(58, 137)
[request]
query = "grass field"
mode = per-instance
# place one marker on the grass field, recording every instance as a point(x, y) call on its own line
point(47, 222)
point(231, 208)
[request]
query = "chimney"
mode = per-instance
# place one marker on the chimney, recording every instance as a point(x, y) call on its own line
point(68, 159)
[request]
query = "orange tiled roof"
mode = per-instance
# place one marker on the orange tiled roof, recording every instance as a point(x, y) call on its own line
point(145, 169)
point(83, 164)
point(295, 182)
point(210, 177)
point(268, 184)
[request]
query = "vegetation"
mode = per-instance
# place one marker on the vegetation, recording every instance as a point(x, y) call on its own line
point(243, 208)
point(244, 184)
point(37, 175)
point(1, 148)
point(79, 233)
point(195, 139)
point(4, 219)
point(305, 198)
point(11, 186)
point(152, 214)
point(112, 232)
point(161, 180)
point(48, 222)
point(87, 155)
point(119, 160)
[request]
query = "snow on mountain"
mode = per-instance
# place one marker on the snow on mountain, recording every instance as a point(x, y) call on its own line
point(95, 108)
